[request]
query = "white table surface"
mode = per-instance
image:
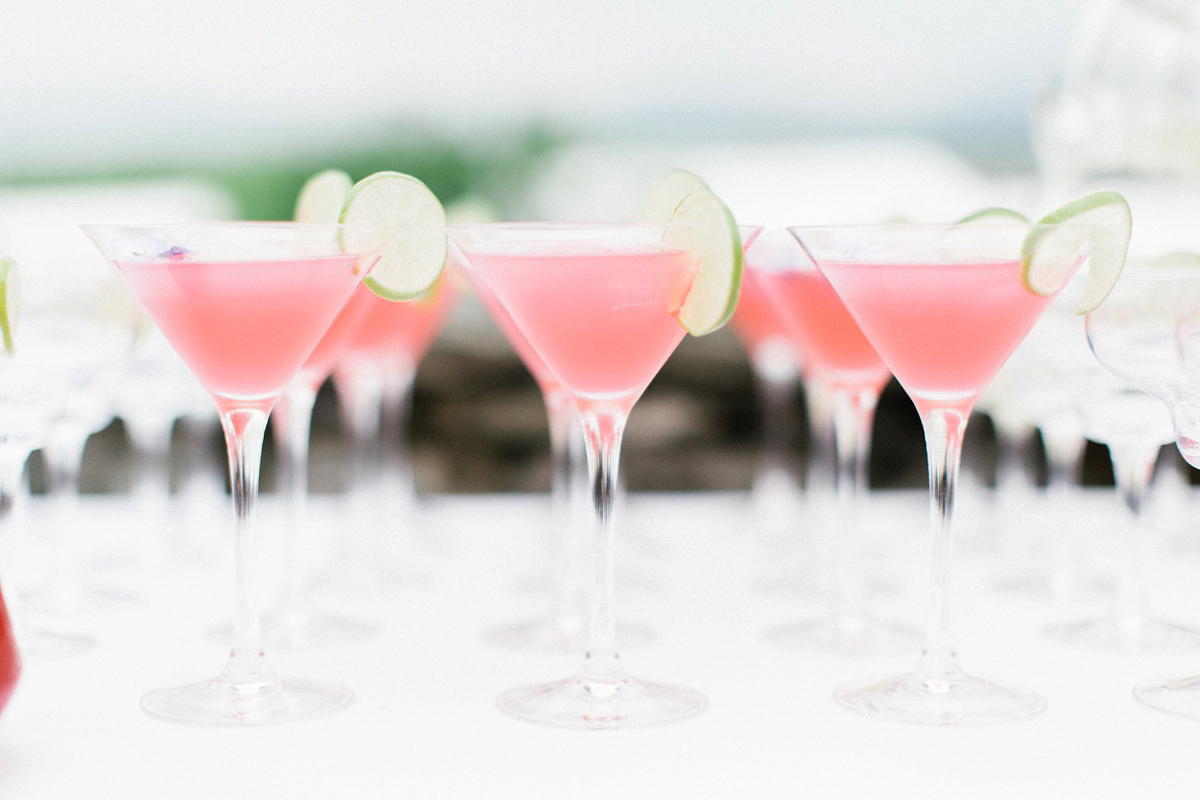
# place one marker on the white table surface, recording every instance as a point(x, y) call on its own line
point(424, 723)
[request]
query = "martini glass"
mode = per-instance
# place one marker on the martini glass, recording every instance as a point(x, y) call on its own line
point(598, 304)
point(563, 628)
point(1148, 336)
point(374, 374)
point(776, 366)
point(841, 359)
point(243, 304)
point(294, 623)
point(944, 306)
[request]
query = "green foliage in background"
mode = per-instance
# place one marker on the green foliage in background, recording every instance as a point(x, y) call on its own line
point(494, 171)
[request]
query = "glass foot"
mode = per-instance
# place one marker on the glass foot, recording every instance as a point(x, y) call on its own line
point(941, 700)
point(561, 635)
point(601, 705)
point(1180, 697)
point(1142, 636)
point(35, 644)
point(862, 636)
point(222, 702)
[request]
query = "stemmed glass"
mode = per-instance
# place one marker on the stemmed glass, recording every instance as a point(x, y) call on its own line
point(31, 396)
point(294, 623)
point(776, 366)
point(598, 304)
point(842, 361)
point(1146, 333)
point(243, 304)
point(944, 306)
point(1134, 426)
point(563, 627)
point(374, 373)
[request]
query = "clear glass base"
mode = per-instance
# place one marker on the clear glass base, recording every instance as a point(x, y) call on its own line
point(223, 702)
point(1180, 697)
point(35, 644)
point(857, 636)
point(1143, 636)
point(622, 702)
point(561, 635)
point(941, 700)
point(299, 630)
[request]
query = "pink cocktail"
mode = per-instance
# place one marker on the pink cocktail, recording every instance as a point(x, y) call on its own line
point(945, 328)
point(243, 327)
point(944, 306)
point(842, 367)
point(604, 340)
point(244, 305)
point(598, 305)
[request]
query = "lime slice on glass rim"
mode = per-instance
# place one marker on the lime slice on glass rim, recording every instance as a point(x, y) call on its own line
point(703, 225)
point(10, 293)
point(322, 197)
point(995, 214)
point(1098, 224)
point(668, 193)
point(403, 222)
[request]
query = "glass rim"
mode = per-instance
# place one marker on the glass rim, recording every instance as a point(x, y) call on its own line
point(242, 224)
point(549, 225)
point(881, 227)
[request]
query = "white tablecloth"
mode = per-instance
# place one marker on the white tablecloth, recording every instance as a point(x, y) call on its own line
point(424, 723)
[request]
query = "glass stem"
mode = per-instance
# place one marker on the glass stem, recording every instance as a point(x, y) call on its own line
point(1133, 467)
point(853, 413)
point(244, 429)
point(776, 399)
point(12, 511)
point(294, 413)
point(561, 414)
point(602, 432)
point(64, 459)
point(943, 442)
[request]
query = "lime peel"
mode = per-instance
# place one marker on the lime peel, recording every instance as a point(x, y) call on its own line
point(704, 225)
point(9, 294)
point(994, 214)
point(668, 193)
point(403, 227)
point(1096, 226)
point(322, 197)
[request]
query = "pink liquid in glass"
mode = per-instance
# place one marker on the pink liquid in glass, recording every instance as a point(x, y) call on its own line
point(400, 333)
point(529, 357)
point(333, 344)
point(945, 329)
point(243, 327)
point(602, 319)
point(755, 319)
point(819, 326)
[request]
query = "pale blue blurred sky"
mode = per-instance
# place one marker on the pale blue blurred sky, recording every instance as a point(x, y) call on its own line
point(127, 81)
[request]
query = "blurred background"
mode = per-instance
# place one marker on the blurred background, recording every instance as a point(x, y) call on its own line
point(798, 111)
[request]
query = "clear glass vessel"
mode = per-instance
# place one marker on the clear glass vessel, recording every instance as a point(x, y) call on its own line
point(244, 304)
point(944, 306)
point(598, 303)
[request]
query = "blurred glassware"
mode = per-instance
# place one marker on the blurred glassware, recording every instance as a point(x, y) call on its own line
point(1124, 113)
point(1141, 334)
point(777, 367)
point(294, 622)
point(374, 380)
point(31, 396)
point(78, 320)
point(843, 363)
